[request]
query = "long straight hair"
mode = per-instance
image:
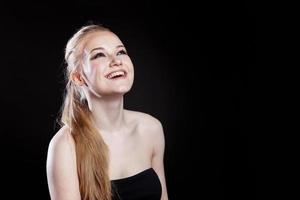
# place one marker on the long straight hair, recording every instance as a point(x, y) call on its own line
point(91, 150)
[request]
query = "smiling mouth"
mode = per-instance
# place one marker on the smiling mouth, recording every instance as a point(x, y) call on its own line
point(116, 75)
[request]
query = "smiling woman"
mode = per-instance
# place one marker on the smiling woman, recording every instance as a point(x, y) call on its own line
point(102, 150)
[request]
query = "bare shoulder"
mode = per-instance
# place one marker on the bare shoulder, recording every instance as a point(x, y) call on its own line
point(62, 141)
point(61, 148)
point(61, 166)
point(146, 122)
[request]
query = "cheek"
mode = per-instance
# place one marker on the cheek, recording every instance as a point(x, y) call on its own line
point(132, 69)
point(131, 72)
point(129, 64)
point(87, 70)
point(93, 68)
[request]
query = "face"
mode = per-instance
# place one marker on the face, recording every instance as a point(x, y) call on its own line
point(107, 68)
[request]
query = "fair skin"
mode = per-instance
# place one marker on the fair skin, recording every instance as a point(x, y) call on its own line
point(135, 140)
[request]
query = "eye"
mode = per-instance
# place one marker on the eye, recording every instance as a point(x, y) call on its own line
point(98, 55)
point(122, 52)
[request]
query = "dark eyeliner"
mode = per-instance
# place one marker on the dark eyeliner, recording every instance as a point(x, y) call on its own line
point(97, 55)
point(123, 52)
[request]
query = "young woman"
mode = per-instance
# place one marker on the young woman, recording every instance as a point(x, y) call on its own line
point(102, 150)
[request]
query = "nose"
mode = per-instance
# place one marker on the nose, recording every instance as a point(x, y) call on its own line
point(115, 62)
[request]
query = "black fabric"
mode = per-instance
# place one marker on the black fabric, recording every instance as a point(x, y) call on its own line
point(142, 186)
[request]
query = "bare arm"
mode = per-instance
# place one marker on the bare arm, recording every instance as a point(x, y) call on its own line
point(61, 167)
point(158, 156)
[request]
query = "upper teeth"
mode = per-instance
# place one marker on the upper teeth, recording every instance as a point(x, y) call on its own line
point(118, 73)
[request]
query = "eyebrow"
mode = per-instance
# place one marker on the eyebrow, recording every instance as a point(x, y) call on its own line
point(101, 48)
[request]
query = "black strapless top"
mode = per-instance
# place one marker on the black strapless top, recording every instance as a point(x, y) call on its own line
point(144, 185)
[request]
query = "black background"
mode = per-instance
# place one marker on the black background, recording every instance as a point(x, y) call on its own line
point(194, 67)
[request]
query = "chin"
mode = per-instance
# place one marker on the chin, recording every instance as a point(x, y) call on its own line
point(123, 89)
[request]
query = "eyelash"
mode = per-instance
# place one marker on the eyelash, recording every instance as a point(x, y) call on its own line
point(98, 55)
point(122, 52)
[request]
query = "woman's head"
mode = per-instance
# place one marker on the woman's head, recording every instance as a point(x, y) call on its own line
point(98, 63)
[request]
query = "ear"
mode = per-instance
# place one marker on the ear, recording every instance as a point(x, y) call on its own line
point(76, 77)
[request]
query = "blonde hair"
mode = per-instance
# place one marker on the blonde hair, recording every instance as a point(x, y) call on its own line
point(91, 150)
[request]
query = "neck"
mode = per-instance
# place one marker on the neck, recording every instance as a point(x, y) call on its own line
point(107, 112)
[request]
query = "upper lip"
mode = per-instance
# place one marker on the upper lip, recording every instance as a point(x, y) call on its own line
point(122, 70)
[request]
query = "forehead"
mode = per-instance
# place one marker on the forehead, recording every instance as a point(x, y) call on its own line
point(105, 39)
